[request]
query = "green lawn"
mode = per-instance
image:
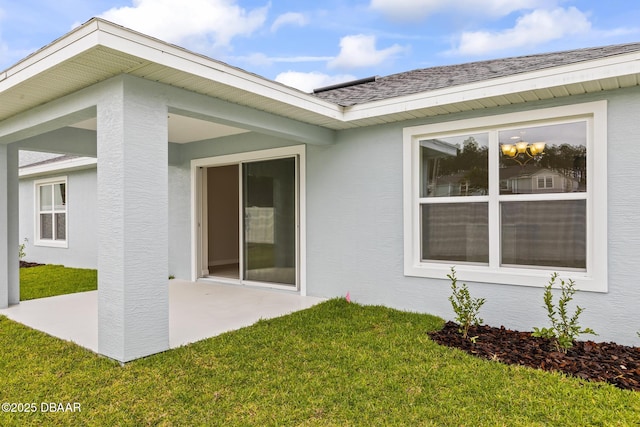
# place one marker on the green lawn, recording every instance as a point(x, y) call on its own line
point(49, 280)
point(336, 364)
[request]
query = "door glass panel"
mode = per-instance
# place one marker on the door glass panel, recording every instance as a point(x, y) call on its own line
point(269, 212)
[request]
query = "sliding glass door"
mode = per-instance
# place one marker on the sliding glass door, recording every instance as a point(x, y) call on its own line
point(269, 229)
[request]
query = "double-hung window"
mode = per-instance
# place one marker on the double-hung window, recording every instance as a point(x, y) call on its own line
point(509, 199)
point(51, 212)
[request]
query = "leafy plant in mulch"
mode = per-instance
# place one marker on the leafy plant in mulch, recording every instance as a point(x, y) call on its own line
point(550, 349)
point(564, 329)
point(465, 307)
point(609, 362)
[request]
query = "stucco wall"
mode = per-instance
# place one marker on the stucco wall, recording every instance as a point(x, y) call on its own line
point(355, 229)
point(355, 223)
point(82, 251)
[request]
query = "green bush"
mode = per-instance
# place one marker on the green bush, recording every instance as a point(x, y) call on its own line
point(564, 329)
point(465, 307)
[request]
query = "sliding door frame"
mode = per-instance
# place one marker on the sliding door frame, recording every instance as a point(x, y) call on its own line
point(199, 268)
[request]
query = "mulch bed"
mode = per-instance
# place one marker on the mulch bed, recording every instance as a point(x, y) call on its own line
point(25, 264)
point(613, 363)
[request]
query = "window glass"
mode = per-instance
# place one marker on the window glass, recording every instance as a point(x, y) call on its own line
point(544, 159)
point(544, 233)
point(61, 226)
point(455, 232)
point(454, 166)
point(46, 226)
point(59, 196)
point(45, 198)
point(52, 212)
point(538, 209)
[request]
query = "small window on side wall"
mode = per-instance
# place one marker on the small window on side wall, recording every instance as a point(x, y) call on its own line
point(51, 212)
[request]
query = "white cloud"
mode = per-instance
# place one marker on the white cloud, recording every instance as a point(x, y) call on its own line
point(178, 20)
point(360, 51)
point(537, 27)
point(417, 10)
point(290, 18)
point(260, 59)
point(307, 82)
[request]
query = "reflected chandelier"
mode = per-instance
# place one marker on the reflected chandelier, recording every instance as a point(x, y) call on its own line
point(522, 152)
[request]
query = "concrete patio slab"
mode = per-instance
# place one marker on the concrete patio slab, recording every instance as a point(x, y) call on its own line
point(197, 310)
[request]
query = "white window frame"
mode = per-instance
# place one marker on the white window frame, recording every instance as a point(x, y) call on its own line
point(593, 278)
point(51, 242)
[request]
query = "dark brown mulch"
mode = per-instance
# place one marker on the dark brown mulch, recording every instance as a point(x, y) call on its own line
point(613, 363)
point(25, 264)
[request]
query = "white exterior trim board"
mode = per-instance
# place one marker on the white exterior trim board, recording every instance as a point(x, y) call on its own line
point(595, 278)
point(154, 50)
point(58, 167)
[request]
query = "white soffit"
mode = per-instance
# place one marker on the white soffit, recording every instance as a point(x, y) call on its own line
point(182, 129)
point(99, 50)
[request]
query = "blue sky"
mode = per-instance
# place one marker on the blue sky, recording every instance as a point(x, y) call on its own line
point(310, 44)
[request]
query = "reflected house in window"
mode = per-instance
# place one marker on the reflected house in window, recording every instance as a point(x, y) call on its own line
point(532, 179)
point(454, 169)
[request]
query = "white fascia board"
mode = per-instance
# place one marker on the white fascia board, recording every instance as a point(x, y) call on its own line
point(77, 41)
point(98, 32)
point(156, 51)
point(583, 72)
point(68, 165)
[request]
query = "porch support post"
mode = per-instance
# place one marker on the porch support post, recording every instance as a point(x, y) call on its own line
point(9, 265)
point(132, 148)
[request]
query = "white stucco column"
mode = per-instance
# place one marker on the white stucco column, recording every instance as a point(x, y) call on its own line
point(132, 147)
point(9, 268)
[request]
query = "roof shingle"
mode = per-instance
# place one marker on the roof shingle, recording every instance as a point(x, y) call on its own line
point(429, 79)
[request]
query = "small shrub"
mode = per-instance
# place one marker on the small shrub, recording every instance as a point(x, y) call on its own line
point(465, 307)
point(564, 329)
point(21, 252)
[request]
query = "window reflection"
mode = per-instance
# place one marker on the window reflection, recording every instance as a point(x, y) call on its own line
point(561, 167)
point(455, 166)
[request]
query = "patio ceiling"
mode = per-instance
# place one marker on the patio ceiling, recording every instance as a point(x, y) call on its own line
point(182, 129)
